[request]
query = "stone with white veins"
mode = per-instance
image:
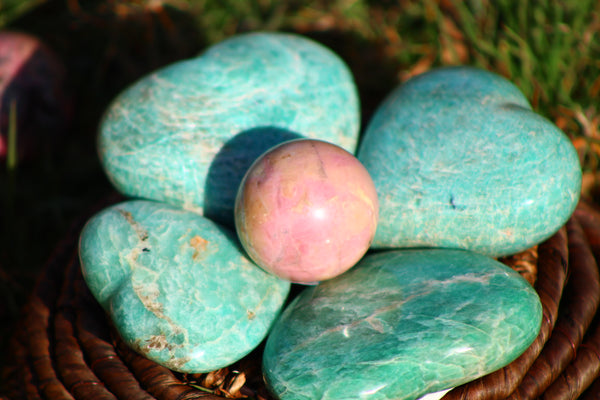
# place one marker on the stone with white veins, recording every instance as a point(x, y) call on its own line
point(187, 133)
point(399, 325)
point(178, 287)
point(460, 160)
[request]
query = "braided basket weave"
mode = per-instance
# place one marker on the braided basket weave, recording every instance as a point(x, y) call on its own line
point(64, 346)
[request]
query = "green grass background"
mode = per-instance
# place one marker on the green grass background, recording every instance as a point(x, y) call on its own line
point(549, 48)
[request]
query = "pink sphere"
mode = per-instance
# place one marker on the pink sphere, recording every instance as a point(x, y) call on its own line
point(306, 211)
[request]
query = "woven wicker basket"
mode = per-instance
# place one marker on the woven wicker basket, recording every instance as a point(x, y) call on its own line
point(65, 348)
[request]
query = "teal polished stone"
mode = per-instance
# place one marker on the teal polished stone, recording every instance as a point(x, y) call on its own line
point(460, 160)
point(399, 325)
point(177, 286)
point(186, 134)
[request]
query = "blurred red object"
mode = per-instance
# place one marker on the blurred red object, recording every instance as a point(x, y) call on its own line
point(32, 77)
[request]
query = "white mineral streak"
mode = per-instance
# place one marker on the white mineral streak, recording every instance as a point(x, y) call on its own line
point(435, 395)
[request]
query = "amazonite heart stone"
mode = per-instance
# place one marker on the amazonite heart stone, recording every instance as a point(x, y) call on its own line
point(177, 286)
point(186, 134)
point(460, 160)
point(399, 325)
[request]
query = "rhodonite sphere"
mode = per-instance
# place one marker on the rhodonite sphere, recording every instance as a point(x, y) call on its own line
point(306, 210)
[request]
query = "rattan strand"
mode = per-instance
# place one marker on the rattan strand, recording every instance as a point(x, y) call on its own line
point(584, 369)
point(577, 309)
point(19, 373)
point(75, 373)
point(593, 392)
point(37, 323)
point(578, 378)
point(94, 336)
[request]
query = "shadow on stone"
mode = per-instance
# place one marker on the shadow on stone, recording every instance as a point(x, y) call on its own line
point(230, 165)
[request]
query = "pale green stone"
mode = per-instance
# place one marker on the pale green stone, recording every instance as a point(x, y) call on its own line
point(187, 133)
point(177, 286)
point(460, 160)
point(399, 325)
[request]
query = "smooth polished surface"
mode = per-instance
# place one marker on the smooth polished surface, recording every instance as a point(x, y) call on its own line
point(177, 287)
point(460, 160)
point(399, 325)
point(187, 133)
point(306, 211)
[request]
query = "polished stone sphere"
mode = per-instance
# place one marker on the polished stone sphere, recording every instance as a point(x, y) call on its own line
point(306, 210)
